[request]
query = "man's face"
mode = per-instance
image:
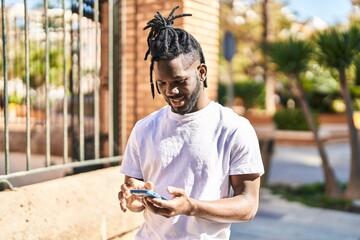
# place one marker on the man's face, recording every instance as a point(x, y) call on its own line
point(180, 83)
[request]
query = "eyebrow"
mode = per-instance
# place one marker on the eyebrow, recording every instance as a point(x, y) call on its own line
point(176, 78)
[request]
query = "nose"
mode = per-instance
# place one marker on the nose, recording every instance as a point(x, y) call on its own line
point(172, 91)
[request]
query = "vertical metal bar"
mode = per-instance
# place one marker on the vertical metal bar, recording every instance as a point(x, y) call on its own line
point(15, 45)
point(27, 72)
point(96, 85)
point(81, 94)
point(65, 102)
point(71, 85)
point(47, 83)
point(111, 79)
point(6, 97)
point(123, 75)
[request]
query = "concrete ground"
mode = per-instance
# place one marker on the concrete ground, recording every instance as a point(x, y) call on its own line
point(81, 206)
point(280, 219)
point(296, 164)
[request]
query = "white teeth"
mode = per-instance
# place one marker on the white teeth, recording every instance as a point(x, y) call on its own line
point(177, 101)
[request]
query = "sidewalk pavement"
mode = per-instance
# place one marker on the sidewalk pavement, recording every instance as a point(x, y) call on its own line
point(279, 219)
point(282, 220)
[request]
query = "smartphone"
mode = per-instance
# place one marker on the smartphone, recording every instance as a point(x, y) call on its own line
point(142, 193)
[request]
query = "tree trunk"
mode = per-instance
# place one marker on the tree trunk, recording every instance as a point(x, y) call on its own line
point(332, 188)
point(353, 187)
point(269, 81)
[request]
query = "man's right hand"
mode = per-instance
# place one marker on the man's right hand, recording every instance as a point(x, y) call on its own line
point(128, 200)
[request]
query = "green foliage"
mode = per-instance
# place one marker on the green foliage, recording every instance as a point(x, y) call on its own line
point(355, 94)
point(250, 91)
point(323, 101)
point(246, 23)
point(291, 119)
point(16, 66)
point(338, 48)
point(319, 101)
point(222, 93)
point(355, 91)
point(13, 98)
point(311, 195)
point(37, 66)
point(290, 56)
point(319, 79)
point(357, 70)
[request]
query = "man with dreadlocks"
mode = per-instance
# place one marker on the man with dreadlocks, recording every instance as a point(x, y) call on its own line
point(202, 157)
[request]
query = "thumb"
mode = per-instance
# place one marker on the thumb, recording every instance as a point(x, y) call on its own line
point(175, 191)
point(149, 185)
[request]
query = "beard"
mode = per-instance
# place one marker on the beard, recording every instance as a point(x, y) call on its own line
point(191, 103)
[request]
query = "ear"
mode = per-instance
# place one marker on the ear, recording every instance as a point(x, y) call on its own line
point(202, 72)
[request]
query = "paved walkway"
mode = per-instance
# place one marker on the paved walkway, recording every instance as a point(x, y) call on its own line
point(296, 164)
point(280, 219)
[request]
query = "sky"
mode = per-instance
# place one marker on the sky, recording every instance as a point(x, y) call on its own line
point(331, 11)
point(32, 3)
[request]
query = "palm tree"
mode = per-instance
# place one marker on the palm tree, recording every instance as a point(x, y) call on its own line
point(338, 49)
point(291, 57)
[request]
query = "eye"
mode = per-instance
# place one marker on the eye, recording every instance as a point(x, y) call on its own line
point(182, 81)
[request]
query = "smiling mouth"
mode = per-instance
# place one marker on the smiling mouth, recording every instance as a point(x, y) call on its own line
point(177, 101)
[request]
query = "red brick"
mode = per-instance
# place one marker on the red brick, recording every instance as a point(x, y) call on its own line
point(139, 102)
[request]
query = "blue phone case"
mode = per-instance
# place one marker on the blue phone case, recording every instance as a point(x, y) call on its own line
point(145, 193)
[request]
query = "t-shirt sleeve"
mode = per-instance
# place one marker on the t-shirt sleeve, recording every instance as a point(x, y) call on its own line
point(130, 165)
point(245, 156)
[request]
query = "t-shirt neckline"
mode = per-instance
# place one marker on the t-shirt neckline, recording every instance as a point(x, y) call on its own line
point(190, 116)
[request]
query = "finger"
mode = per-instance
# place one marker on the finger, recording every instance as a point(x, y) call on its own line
point(120, 196)
point(134, 183)
point(122, 200)
point(175, 191)
point(155, 201)
point(149, 185)
point(155, 208)
point(125, 189)
point(148, 202)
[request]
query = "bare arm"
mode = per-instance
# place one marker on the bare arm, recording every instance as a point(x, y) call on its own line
point(241, 207)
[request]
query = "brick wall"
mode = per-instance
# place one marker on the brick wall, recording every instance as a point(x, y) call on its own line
point(204, 25)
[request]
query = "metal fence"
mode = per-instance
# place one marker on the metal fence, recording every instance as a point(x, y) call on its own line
point(56, 54)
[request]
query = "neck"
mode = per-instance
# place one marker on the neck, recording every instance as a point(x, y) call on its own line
point(202, 102)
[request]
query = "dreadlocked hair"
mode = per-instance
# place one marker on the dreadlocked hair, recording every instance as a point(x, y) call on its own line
point(166, 42)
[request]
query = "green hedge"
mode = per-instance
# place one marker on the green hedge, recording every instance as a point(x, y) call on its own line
point(291, 119)
point(323, 102)
point(252, 93)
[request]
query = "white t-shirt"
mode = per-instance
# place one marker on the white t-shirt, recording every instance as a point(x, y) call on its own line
point(197, 152)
